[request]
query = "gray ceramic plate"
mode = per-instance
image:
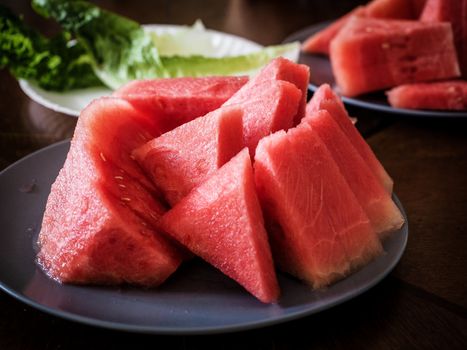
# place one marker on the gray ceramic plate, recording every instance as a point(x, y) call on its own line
point(321, 72)
point(196, 299)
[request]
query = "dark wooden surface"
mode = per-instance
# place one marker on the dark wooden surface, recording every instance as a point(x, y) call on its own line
point(422, 304)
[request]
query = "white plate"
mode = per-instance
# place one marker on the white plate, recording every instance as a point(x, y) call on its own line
point(72, 102)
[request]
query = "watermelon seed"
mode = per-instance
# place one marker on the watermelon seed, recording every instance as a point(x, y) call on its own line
point(102, 157)
point(118, 177)
point(121, 185)
point(143, 223)
point(132, 157)
point(125, 199)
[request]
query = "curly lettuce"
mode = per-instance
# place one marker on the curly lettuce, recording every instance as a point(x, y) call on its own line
point(55, 64)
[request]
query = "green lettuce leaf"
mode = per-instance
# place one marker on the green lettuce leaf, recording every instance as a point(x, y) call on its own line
point(55, 64)
point(123, 51)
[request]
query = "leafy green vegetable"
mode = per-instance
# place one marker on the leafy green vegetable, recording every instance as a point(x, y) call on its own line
point(123, 51)
point(56, 64)
point(179, 66)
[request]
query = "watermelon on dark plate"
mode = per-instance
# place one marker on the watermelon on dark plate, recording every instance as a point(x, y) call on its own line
point(318, 230)
point(325, 99)
point(173, 102)
point(383, 213)
point(454, 12)
point(221, 221)
point(390, 9)
point(100, 219)
point(443, 95)
point(273, 100)
point(181, 159)
point(373, 54)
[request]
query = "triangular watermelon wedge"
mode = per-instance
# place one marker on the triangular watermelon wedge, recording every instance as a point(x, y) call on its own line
point(182, 158)
point(221, 221)
point(320, 233)
point(281, 68)
point(173, 102)
point(274, 99)
point(454, 12)
point(100, 221)
point(320, 41)
point(390, 9)
point(325, 99)
point(384, 215)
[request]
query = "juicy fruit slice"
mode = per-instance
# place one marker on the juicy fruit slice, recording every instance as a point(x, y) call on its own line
point(267, 107)
point(98, 225)
point(394, 9)
point(173, 102)
point(325, 99)
point(384, 215)
point(450, 95)
point(221, 221)
point(180, 159)
point(320, 41)
point(283, 69)
point(274, 99)
point(371, 54)
point(325, 234)
point(454, 12)
point(390, 9)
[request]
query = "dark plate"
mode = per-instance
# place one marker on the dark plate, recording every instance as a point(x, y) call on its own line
point(321, 72)
point(196, 299)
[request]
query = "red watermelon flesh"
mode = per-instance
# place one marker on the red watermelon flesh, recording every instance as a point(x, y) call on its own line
point(391, 9)
point(99, 221)
point(180, 159)
point(454, 12)
point(384, 215)
point(373, 54)
point(325, 233)
point(267, 106)
point(173, 102)
point(325, 99)
point(450, 95)
point(320, 41)
point(221, 221)
point(282, 69)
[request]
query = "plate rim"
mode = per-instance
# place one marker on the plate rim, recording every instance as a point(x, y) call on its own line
point(172, 330)
point(300, 34)
point(32, 90)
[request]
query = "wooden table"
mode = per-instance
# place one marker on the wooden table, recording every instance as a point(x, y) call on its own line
point(421, 304)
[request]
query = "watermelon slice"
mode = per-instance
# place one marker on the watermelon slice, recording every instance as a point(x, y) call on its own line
point(221, 221)
point(390, 9)
point(182, 158)
point(320, 41)
point(451, 95)
point(270, 101)
point(373, 54)
point(454, 12)
point(325, 99)
point(283, 69)
point(324, 233)
point(173, 102)
point(267, 107)
point(393, 9)
point(384, 215)
point(100, 219)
